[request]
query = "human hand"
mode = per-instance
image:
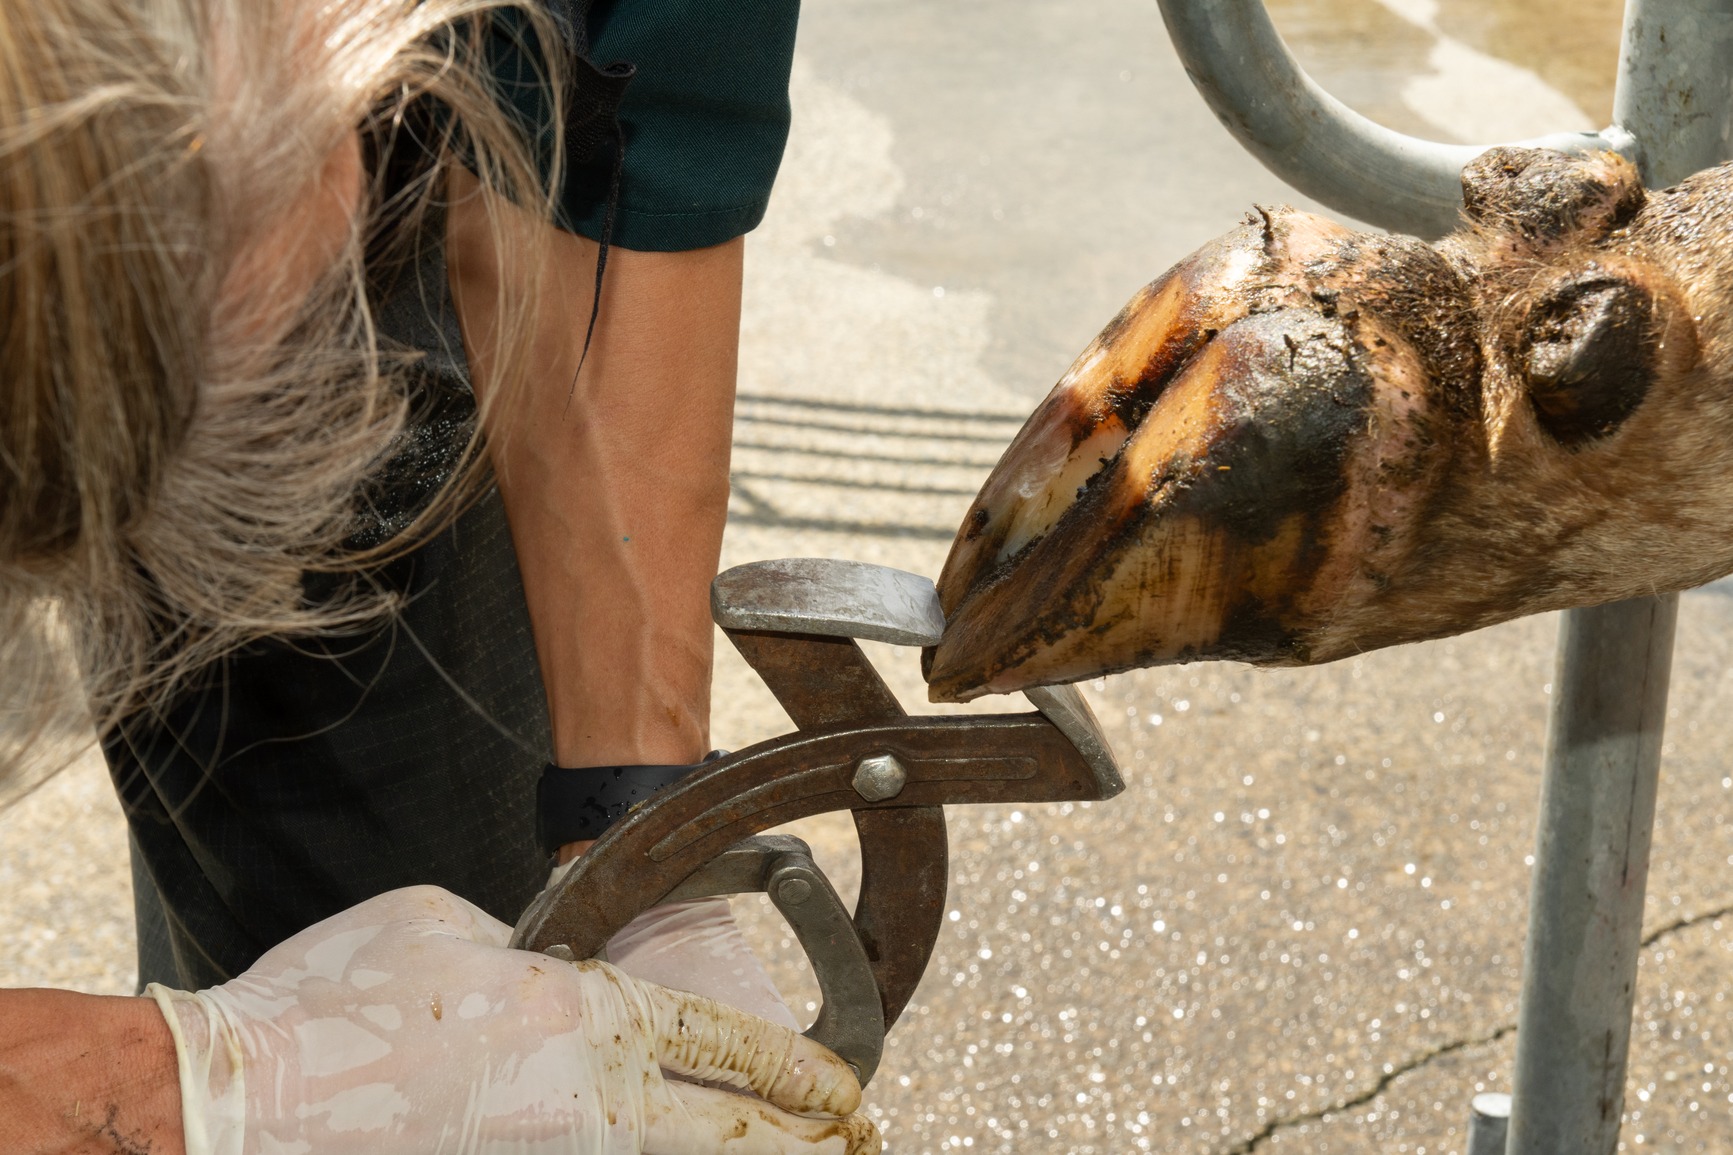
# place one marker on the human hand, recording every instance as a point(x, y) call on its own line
point(695, 946)
point(402, 1025)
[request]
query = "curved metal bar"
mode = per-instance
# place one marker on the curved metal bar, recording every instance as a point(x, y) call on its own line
point(1256, 88)
point(851, 1021)
point(950, 759)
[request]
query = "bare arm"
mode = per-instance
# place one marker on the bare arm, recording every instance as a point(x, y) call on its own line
point(86, 1075)
point(615, 485)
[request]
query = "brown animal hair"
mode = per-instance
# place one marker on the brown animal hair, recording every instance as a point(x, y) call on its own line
point(192, 391)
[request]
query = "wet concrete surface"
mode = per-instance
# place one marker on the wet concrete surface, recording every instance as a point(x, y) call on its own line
point(65, 887)
point(1300, 928)
point(1365, 52)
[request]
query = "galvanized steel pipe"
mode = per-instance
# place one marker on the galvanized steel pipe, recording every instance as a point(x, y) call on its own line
point(1675, 87)
point(1675, 95)
point(1591, 864)
point(1256, 88)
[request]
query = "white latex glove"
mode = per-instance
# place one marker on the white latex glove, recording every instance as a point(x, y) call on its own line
point(696, 946)
point(401, 1025)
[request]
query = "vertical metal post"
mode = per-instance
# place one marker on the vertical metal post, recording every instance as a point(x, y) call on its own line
point(1675, 96)
point(1591, 862)
point(1673, 114)
point(1488, 1123)
point(1675, 87)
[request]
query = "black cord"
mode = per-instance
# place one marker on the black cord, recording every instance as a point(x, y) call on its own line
point(592, 119)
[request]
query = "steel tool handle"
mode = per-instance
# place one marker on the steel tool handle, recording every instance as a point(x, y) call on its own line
point(851, 1020)
point(795, 621)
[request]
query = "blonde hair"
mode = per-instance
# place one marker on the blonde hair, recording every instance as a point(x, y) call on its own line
point(184, 427)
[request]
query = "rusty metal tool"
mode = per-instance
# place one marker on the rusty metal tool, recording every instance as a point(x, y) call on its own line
point(796, 622)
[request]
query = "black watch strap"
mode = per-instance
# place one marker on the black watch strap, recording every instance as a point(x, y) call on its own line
point(578, 805)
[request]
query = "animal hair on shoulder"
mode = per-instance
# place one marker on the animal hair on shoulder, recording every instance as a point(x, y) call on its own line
point(194, 391)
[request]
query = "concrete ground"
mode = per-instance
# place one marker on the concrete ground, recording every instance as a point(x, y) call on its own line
point(1300, 928)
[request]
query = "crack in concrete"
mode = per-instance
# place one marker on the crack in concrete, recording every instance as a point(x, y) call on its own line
point(1679, 924)
point(1268, 1131)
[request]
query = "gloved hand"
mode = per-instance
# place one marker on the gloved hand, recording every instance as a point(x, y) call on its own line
point(401, 1025)
point(696, 946)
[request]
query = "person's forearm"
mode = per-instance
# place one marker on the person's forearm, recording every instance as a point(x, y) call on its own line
point(86, 1075)
point(615, 480)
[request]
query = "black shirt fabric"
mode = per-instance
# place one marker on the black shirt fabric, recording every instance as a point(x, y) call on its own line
point(296, 779)
point(301, 776)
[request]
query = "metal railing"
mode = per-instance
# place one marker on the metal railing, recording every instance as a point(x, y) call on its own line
point(1672, 115)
